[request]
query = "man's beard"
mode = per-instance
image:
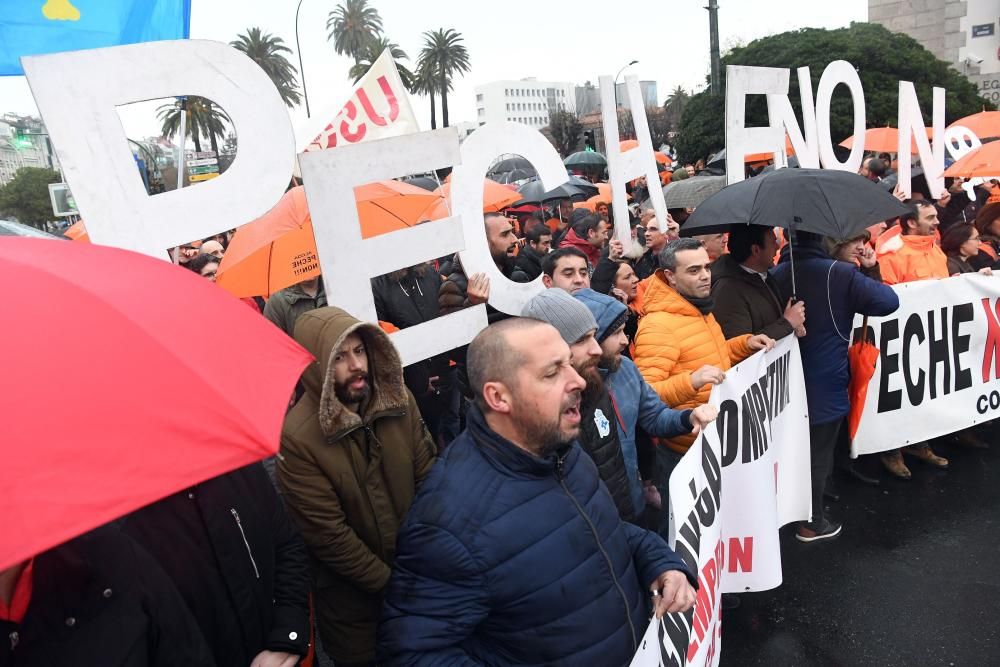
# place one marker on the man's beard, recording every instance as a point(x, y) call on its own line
point(550, 434)
point(595, 386)
point(350, 396)
point(610, 362)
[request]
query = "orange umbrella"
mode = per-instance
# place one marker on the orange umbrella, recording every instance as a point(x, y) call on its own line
point(603, 196)
point(764, 157)
point(496, 197)
point(278, 249)
point(862, 357)
point(628, 145)
point(984, 161)
point(884, 140)
point(77, 232)
point(984, 124)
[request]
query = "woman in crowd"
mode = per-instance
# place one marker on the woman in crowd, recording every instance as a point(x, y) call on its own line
point(961, 244)
point(988, 225)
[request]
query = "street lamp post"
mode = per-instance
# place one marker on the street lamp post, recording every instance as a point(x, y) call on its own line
point(302, 70)
point(634, 62)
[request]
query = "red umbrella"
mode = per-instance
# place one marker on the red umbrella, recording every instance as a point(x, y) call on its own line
point(125, 378)
point(862, 357)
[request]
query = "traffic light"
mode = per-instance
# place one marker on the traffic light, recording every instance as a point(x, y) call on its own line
point(21, 139)
point(588, 139)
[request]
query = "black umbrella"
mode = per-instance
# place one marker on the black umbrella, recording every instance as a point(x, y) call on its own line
point(533, 192)
point(586, 159)
point(586, 187)
point(514, 176)
point(510, 164)
point(425, 182)
point(838, 204)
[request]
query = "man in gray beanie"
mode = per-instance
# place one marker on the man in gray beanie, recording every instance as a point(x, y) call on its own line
point(598, 432)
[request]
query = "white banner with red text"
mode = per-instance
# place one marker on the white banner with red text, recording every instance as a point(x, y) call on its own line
point(745, 477)
point(938, 368)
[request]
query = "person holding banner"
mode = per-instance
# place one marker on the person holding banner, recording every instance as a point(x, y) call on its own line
point(513, 552)
point(680, 348)
point(636, 405)
point(837, 291)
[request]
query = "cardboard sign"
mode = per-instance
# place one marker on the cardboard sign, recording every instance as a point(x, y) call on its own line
point(77, 92)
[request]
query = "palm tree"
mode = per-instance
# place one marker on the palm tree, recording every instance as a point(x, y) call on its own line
point(372, 50)
point(352, 25)
point(425, 83)
point(446, 56)
point(268, 51)
point(204, 119)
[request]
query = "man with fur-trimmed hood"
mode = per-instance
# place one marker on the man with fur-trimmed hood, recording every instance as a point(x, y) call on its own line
point(354, 449)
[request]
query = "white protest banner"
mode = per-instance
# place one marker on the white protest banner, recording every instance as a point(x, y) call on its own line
point(77, 92)
point(633, 163)
point(696, 515)
point(744, 478)
point(938, 369)
point(763, 431)
point(378, 108)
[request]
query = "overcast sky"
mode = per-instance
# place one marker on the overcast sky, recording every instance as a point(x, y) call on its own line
point(553, 41)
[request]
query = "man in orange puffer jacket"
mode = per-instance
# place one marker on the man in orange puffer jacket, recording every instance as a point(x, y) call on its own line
point(680, 348)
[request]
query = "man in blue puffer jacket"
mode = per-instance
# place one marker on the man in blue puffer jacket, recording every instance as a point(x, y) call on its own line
point(513, 552)
point(636, 404)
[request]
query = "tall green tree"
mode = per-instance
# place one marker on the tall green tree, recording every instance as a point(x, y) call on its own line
point(673, 108)
point(26, 196)
point(370, 53)
point(425, 83)
point(352, 25)
point(565, 131)
point(445, 54)
point(269, 52)
point(882, 58)
point(204, 120)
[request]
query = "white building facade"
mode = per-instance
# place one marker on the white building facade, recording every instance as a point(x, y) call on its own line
point(23, 143)
point(527, 101)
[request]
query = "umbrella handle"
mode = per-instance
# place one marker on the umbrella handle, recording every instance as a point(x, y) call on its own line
point(863, 334)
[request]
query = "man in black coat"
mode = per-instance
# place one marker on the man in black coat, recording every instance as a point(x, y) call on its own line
point(538, 242)
point(598, 430)
point(239, 564)
point(746, 299)
point(98, 600)
point(406, 298)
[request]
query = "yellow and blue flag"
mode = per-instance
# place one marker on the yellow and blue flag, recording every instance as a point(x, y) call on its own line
point(32, 27)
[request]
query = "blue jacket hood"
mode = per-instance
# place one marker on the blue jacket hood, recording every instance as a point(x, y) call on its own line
point(607, 310)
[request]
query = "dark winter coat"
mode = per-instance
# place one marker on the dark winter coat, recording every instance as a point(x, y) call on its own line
point(236, 559)
point(407, 301)
point(510, 559)
point(646, 265)
point(529, 262)
point(600, 439)
point(349, 479)
point(285, 306)
point(745, 304)
point(831, 318)
point(101, 601)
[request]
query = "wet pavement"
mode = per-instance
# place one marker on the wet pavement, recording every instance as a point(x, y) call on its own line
point(913, 579)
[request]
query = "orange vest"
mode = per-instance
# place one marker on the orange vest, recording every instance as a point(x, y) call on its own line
point(916, 258)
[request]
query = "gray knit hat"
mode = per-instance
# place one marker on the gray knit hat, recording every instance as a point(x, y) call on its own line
point(558, 307)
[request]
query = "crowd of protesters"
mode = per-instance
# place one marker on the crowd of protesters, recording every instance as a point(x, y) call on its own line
point(503, 503)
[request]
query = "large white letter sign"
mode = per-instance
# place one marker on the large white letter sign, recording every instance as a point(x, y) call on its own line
point(349, 262)
point(837, 72)
point(639, 161)
point(805, 142)
point(479, 150)
point(77, 92)
point(911, 124)
point(740, 139)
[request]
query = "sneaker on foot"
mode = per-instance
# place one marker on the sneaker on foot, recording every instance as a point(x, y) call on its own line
point(893, 462)
point(828, 531)
point(927, 455)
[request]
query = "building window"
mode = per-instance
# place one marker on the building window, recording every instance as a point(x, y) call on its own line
point(479, 98)
point(506, 91)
